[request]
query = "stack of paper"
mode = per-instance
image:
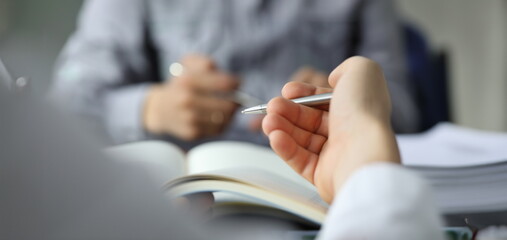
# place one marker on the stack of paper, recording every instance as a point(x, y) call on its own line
point(468, 168)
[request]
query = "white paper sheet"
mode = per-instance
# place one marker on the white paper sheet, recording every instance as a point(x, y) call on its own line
point(448, 145)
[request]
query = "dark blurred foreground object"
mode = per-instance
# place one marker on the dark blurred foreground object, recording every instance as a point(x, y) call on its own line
point(55, 184)
point(428, 73)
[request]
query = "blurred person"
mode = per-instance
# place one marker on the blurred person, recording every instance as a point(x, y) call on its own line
point(115, 68)
point(55, 185)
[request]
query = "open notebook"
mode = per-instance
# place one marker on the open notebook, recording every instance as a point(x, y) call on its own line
point(249, 179)
point(245, 179)
point(467, 168)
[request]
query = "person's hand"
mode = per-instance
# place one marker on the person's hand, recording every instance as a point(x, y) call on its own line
point(191, 106)
point(305, 75)
point(327, 147)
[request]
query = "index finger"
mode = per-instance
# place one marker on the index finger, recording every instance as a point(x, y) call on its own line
point(293, 90)
point(307, 118)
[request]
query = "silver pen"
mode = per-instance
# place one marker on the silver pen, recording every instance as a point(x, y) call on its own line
point(310, 101)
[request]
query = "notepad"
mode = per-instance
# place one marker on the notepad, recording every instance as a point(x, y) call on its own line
point(249, 179)
point(246, 179)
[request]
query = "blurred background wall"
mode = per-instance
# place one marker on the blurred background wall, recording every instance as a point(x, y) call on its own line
point(3, 16)
point(472, 32)
point(34, 33)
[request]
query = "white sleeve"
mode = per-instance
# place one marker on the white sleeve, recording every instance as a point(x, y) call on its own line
point(383, 201)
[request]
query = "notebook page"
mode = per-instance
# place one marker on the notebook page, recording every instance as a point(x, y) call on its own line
point(228, 154)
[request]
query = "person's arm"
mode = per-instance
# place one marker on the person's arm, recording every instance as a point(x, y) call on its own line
point(381, 39)
point(346, 151)
point(383, 201)
point(104, 72)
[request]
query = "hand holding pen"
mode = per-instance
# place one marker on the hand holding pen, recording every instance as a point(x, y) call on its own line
point(191, 106)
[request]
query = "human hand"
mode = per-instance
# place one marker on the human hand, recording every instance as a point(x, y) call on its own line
point(328, 147)
point(191, 106)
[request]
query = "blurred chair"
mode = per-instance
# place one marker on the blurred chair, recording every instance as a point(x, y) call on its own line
point(428, 73)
